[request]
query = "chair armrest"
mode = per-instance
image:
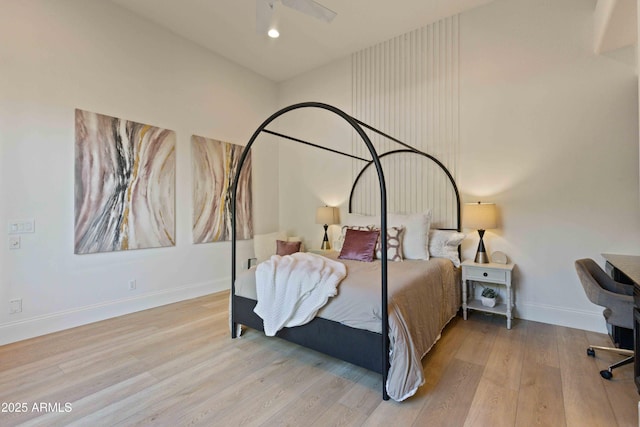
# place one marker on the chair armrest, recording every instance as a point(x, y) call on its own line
point(619, 310)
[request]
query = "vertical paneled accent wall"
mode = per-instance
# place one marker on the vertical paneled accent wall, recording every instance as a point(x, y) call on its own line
point(408, 87)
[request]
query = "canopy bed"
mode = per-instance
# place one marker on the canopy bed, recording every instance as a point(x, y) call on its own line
point(432, 286)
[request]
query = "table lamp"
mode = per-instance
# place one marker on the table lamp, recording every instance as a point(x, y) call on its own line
point(481, 217)
point(326, 215)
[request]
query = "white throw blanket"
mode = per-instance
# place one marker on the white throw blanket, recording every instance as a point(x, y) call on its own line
point(292, 288)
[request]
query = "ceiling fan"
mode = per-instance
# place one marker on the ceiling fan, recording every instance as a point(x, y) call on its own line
point(265, 9)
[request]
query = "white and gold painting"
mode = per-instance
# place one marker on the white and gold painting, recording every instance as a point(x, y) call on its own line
point(214, 168)
point(124, 184)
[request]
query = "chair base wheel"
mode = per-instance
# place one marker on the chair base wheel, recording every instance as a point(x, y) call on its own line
point(591, 352)
point(606, 374)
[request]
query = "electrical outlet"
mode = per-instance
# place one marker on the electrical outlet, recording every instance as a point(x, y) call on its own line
point(14, 242)
point(132, 284)
point(15, 306)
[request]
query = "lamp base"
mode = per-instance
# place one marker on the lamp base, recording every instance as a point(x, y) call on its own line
point(481, 258)
point(481, 254)
point(325, 240)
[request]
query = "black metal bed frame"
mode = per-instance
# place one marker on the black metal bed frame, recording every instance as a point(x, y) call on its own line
point(360, 347)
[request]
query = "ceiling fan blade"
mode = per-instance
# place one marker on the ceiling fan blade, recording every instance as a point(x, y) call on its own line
point(264, 14)
point(312, 8)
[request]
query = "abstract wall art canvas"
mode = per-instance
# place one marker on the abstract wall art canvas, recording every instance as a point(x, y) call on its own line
point(214, 168)
point(124, 184)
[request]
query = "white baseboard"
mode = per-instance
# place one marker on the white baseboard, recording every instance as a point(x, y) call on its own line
point(41, 325)
point(579, 319)
point(46, 324)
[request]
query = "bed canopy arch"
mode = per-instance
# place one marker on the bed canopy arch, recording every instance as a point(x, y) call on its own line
point(379, 362)
point(454, 188)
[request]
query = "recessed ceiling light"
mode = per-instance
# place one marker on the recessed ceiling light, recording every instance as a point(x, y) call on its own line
point(273, 33)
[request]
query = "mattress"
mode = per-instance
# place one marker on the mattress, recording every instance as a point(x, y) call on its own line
point(423, 296)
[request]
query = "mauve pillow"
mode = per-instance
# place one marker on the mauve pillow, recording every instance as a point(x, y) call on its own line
point(287, 248)
point(359, 245)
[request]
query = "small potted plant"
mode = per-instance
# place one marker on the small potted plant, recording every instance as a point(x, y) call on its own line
point(488, 297)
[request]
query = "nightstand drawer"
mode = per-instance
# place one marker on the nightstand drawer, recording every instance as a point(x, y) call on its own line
point(489, 275)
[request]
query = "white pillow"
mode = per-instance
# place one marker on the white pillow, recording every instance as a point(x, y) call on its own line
point(356, 220)
point(264, 245)
point(444, 244)
point(415, 242)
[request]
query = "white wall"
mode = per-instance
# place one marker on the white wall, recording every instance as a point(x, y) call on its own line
point(548, 131)
point(310, 178)
point(65, 54)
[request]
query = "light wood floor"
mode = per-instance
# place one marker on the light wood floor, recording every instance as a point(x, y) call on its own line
point(176, 365)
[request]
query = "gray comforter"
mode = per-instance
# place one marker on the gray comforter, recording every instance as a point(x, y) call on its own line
point(423, 297)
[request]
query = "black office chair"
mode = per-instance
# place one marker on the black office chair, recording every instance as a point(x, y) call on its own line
point(617, 298)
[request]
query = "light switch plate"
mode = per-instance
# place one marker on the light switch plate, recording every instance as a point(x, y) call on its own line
point(22, 226)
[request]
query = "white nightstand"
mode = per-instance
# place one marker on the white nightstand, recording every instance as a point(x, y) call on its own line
point(495, 274)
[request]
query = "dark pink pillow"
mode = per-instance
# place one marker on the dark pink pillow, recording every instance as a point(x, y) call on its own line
point(359, 245)
point(287, 248)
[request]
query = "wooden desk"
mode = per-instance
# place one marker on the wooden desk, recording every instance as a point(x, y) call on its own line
point(626, 269)
point(627, 264)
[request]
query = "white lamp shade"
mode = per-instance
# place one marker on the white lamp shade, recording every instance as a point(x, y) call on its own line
point(479, 216)
point(327, 215)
